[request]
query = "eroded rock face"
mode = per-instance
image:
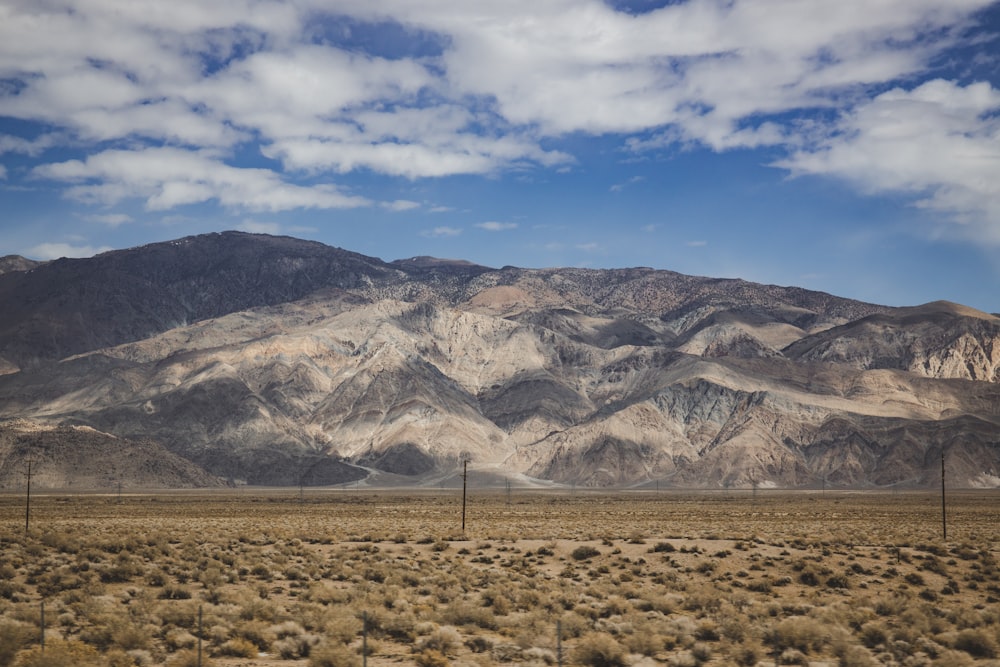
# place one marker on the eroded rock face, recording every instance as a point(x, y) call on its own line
point(277, 361)
point(938, 340)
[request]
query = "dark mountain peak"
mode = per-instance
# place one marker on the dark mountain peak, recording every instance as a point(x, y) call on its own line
point(423, 263)
point(74, 305)
point(71, 306)
point(194, 253)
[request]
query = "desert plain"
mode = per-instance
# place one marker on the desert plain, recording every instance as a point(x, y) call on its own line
point(352, 577)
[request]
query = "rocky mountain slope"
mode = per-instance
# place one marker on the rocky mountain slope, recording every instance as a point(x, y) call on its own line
point(78, 457)
point(10, 263)
point(278, 361)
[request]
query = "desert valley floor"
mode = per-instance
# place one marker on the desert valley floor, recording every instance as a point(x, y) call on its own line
point(315, 577)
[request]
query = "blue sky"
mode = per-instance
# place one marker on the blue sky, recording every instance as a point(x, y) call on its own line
point(851, 147)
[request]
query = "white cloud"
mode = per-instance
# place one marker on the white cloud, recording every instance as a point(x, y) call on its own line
point(109, 219)
point(696, 244)
point(3, 172)
point(618, 187)
point(581, 66)
point(492, 226)
point(311, 104)
point(170, 177)
point(939, 142)
point(511, 74)
point(31, 147)
point(46, 251)
point(400, 205)
point(462, 153)
point(441, 232)
point(168, 120)
point(588, 247)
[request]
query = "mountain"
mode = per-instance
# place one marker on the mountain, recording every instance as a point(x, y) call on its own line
point(271, 360)
point(940, 340)
point(70, 306)
point(67, 457)
point(10, 263)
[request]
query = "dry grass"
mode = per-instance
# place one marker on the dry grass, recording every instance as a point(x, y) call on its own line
point(607, 580)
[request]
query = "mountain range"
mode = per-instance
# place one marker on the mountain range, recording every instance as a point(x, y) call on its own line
point(242, 358)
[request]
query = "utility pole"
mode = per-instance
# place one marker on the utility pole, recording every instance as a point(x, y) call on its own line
point(944, 516)
point(199, 635)
point(364, 639)
point(27, 498)
point(559, 643)
point(465, 477)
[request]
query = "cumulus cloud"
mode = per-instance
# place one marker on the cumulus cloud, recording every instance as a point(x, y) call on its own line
point(107, 73)
point(32, 147)
point(47, 251)
point(705, 66)
point(492, 226)
point(169, 177)
point(345, 149)
point(939, 142)
point(401, 205)
point(155, 94)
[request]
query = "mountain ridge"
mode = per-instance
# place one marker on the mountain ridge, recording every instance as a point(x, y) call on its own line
point(270, 360)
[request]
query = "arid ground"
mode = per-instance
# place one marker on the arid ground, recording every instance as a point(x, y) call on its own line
point(310, 578)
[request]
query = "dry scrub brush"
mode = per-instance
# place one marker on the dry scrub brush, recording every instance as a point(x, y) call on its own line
point(307, 582)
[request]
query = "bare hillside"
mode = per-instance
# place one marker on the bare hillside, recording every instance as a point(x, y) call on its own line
point(277, 361)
